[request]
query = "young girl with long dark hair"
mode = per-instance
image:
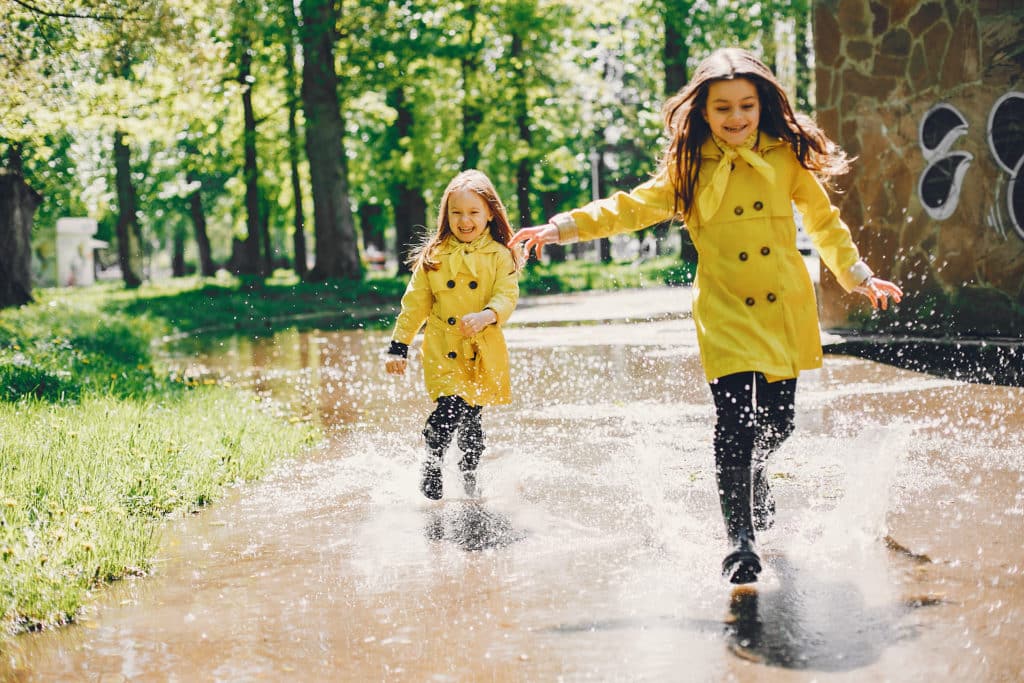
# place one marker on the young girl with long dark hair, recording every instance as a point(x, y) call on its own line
point(737, 160)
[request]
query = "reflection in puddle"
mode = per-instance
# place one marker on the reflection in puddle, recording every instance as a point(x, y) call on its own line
point(469, 525)
point(812, 623)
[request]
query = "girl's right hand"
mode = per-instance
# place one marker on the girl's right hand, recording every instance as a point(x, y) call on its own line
point(396, 365)
point(535, 238)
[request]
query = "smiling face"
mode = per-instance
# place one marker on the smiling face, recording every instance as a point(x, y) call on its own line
point(733, 110)
point(468, 215)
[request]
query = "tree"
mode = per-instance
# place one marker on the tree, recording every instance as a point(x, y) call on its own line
point(18, 204)
point(337, 254)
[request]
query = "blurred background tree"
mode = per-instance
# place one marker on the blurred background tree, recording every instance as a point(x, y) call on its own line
point(319, 135)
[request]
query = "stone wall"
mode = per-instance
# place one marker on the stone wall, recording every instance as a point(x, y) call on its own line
point(930, 97)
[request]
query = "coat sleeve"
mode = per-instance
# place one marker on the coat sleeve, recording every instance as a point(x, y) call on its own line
point(506, 287)
point(646, 204)
point(830, 235)
point(416, 304)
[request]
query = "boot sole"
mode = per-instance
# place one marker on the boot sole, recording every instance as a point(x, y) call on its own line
point(741, 567)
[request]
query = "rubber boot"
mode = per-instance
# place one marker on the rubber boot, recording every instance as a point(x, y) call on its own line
point(764, 501)
point(431, 485)
point(741, 565)
point(468, 466)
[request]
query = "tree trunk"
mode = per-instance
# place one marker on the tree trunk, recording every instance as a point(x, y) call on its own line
point(207, 268)
point(337, 253)
point(408, 204)
point(249, 262)
point(472, 113)
point(178, 252)
point(551, 201)
point(129, 244)
point(18, 204)
point(523, 170)
point(802, 20)
point(292, 93)
point(676, 55)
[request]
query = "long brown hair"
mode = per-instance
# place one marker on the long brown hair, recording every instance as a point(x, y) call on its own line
point(501, 230)
point(688, 130)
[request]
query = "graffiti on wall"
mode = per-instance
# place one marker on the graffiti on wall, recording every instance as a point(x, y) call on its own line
point(941, 181)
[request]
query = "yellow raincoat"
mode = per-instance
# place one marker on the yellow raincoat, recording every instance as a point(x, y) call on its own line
point(753, 299)
point(472, 277)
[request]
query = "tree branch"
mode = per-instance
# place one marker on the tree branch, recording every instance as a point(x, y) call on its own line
point(35, 9)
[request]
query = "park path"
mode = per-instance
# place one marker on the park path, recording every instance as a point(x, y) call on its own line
point(593, 551)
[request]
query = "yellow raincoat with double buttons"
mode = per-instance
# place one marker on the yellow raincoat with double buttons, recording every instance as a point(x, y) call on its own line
point(753, 299)
point(474, 276)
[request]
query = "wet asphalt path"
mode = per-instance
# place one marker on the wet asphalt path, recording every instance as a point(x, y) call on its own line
point(593, 552)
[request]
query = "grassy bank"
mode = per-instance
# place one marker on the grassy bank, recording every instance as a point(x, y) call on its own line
point(232, 305)
point(98, 445)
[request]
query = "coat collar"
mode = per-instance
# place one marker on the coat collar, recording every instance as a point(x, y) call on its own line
point(710, 150)
point(482, 244)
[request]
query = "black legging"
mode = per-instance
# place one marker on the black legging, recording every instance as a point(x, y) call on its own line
point(453, 413)
point(753, 415)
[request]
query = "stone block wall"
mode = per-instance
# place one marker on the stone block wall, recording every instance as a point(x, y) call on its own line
point(930, 97)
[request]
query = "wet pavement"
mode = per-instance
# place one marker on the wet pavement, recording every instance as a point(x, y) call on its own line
point(593, 551)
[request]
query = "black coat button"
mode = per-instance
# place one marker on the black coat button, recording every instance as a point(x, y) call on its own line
point(451, 321)
point(472, 285)
point(758, 206)
point(750, 301)
point(451, 284)
point(452, 354)
point(738, 211)
point(771, 297)
point(743, 256)
point(765, 251)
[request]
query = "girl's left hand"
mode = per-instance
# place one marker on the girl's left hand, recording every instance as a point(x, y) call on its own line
point(879, 291)
point(474, 323)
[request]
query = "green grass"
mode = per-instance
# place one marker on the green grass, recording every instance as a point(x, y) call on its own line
point(98, 445)
point(230, 305)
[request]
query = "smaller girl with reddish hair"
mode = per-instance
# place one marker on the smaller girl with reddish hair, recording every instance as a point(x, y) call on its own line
point(465, 286)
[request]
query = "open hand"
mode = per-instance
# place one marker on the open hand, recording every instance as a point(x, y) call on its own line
point(879, 291)
point(474, 323)
point(396, 365)
point(535, 238)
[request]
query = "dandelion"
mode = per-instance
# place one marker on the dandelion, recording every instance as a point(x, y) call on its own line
point(88, 547)
point(10, 503)
point(86, 509)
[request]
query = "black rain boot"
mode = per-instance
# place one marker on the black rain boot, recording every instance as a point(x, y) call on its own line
point(432, 485)
point(468, 466)
point(741, 565)
point(764, 501)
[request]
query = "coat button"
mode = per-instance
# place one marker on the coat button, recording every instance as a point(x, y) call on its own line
point(472, 285)
point(451, 284)
point(750, 301)
point(765, 251)
point(743, 256)
point(758, 205)
point(738, 211)
point(771, 297)
point(452, 354)
point(451, 321)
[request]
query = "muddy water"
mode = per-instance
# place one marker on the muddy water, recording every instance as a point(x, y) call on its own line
point(594, 549)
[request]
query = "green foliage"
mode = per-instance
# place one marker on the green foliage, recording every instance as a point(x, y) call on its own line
point(83, 488)
point(99, 446)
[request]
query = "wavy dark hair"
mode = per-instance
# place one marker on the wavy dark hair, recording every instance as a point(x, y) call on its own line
point(688, 130)
point(501, 230)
